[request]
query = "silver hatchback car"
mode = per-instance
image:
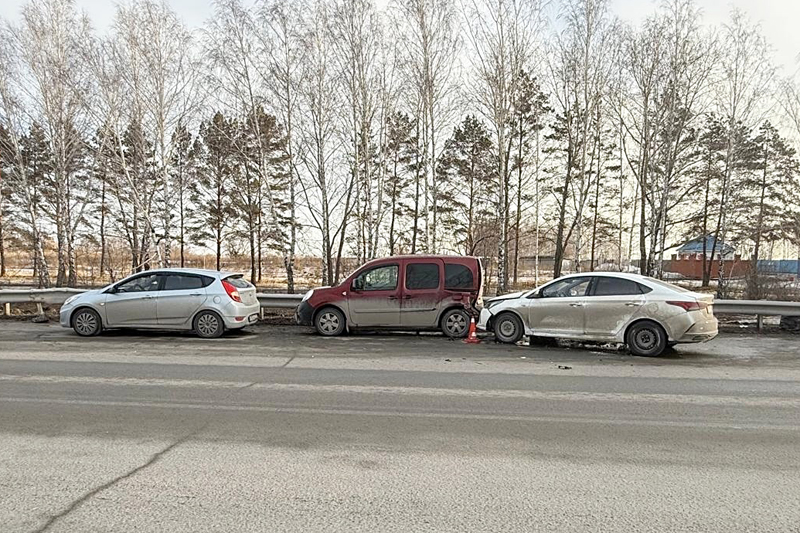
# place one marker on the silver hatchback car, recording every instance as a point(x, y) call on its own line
point(205, 301)
point(645, 313)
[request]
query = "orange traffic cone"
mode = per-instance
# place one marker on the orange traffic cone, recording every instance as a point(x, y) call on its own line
point(472, 337)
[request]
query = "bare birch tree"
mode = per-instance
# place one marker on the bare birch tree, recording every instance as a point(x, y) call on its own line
point(503, 36)
point(430, 49)
point(160, 46)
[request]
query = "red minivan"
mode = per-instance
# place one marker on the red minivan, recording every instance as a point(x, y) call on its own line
point(410, 292)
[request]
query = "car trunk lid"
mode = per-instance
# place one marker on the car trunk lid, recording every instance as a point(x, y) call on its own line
point(247, 292)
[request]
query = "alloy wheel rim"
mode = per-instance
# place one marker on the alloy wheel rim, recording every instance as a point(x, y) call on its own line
point(207, 324)
point(86, 323)
point(456, 323)
point(329, 322)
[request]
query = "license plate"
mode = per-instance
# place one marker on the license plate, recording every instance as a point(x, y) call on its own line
point(252, 318)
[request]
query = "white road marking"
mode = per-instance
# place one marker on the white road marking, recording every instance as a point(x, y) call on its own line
point(691, 399)
point(406, 414)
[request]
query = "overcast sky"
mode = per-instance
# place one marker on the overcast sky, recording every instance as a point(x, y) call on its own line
point(778, 18)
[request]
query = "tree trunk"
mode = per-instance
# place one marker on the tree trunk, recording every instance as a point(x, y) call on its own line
point(103, 227)
point(562, 214)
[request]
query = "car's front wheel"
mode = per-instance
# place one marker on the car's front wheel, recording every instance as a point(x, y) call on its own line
point(86, 322)
point(208, 324)
point(329, 322)
point(646, 339)
point(455, 323)
point(508, 328)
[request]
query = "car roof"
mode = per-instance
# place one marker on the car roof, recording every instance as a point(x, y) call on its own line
point(426, 256)
point(623, 275)
point(197, 271)
point(653, 283)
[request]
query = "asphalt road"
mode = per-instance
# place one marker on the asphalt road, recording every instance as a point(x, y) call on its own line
point(280, 430)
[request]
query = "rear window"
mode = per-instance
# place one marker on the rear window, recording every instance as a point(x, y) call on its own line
point(238, 282)
point(669, 286)
point(609, 286)
point(422, 276)
point(458, 277)
point(177, 282)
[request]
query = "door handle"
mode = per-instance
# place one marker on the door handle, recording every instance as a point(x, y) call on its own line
point(195, 294)
point(393, 297)
point(407, 297)
point(632, 304)
point(576, 304)
point(147, 297)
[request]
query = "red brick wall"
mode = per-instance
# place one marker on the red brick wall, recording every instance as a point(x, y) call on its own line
point(692, 267)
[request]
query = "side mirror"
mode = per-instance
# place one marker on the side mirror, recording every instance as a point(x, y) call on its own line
point(358, 284)
point(536, 294)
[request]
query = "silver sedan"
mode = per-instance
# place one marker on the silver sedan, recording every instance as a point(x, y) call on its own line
point(645, 313)
point(205, 301)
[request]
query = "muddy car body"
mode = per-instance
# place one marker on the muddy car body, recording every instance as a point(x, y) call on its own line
point(413, 292)
point(645, 313)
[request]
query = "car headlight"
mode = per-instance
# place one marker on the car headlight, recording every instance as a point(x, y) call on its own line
point(307, 295)
point(71, 299)
point(492, 303)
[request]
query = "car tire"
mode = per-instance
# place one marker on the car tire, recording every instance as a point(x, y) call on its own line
point(646, 339)
point(455, 323)
point(208, 325)
point(329, 322)
point(508, 328)
point(86, 322)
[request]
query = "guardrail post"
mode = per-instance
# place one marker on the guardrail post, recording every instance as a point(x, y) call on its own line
point(759, 322)
point(7, 309)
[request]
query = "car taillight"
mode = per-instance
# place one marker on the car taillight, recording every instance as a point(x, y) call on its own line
point(690, 306)
point(232, 291)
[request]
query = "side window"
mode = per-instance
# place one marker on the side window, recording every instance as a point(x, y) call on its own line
point(177, 282)
point(377, 279)
point(422, 276)
point(565, 288)
point(608, 286)
point(458, 277)
point(141, 284)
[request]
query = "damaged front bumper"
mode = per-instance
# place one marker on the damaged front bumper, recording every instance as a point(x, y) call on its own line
point(304, 314)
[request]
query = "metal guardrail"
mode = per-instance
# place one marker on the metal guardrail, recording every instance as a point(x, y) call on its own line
point(279, 301)
point(58, 296)
point(40, 296)
point(289, 301)
point(756, 307)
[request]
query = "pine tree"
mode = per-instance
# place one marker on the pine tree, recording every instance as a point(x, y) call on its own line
point(766, 207)
point(400, 156)
point(212, 202)
point(468, 202)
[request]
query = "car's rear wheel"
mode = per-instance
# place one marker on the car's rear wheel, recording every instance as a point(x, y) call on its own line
point(329, 322)
point(646, 339)
point(86, 322)
point(508, 328)
point(455, 323)
point(208, 324)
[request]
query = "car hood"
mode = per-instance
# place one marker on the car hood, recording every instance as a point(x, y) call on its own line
point(91, 292)
point(511, 296)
